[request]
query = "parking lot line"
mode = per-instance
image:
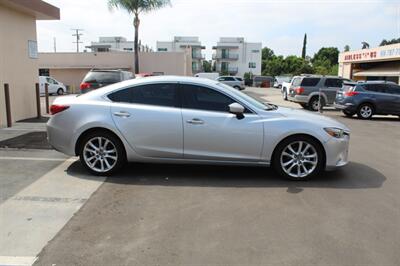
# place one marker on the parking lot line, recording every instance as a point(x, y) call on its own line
point(31, 218)
point(72, 159)
point(16, 261)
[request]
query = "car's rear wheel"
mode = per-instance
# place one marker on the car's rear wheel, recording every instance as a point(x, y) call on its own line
point(236, 87)
point(315, 102)
point(299, 158)
point(60, 91)
point(365, 111)
point(348, 114)
point(102, 153)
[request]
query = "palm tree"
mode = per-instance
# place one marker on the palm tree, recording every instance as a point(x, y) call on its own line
point(136, 7)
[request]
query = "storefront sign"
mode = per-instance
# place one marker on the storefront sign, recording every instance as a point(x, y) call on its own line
point(372, 54)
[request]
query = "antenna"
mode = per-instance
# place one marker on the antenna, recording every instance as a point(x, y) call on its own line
point(78, 37)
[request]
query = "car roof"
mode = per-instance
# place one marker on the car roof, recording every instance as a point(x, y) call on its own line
point(148, 80)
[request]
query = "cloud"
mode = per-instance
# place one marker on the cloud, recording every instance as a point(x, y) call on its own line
point(279, 25)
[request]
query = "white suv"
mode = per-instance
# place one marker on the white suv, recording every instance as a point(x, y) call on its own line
point(233, 81)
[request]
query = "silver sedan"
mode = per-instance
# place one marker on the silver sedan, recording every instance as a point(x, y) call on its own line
point(191, 120)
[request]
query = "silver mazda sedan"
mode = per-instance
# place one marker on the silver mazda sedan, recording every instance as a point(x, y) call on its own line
point(191, 120)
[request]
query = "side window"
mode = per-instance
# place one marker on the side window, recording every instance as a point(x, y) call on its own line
point(202, 98)
point(336, 83)
point(221, 79)
point(48, 80)
point(310, 82)
point(229, 79)
point(375, 87)
point(151, 94)
point(394, 89)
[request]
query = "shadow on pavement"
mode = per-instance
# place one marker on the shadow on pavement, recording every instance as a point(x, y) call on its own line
point(353, 176)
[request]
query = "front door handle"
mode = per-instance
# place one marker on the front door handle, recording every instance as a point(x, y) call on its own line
point(195, 121)
point(122, 114)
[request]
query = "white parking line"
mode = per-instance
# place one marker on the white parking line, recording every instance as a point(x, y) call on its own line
point(16, 261)
point(32, 217)
point(38, 159)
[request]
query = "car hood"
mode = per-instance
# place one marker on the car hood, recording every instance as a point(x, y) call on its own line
point(310, 117)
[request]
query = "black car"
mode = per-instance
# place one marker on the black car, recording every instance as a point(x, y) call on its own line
point(369, 98)
point(97, 78)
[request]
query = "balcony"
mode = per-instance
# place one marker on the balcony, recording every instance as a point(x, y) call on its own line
point(198, 56)
point(230, 70)
point(229, 56)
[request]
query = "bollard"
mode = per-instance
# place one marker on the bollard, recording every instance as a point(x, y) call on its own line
point(46, 92)
point(39, 115)
point(8, 107)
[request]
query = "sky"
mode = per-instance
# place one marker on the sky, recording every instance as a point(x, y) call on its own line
point(279, 25)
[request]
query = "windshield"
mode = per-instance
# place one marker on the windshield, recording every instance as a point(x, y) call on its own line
point(254, 102)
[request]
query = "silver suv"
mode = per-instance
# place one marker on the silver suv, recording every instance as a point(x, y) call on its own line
point(305, 90)
point(236, 82)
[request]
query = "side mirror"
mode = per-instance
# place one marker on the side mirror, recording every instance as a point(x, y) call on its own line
point(236, 109)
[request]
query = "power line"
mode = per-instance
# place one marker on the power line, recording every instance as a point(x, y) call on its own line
point(78, 37)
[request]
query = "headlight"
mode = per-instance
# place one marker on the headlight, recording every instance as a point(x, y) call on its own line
point(336, 132)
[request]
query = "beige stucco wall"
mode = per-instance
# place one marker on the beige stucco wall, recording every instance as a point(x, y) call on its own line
point(70, 68)
point(16, 68)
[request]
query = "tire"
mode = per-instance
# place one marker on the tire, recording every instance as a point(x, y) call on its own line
point(115, 157)
point(304, 105)
point(313, 103)
point(365, 111)
point(284, 94)
point(347, 113)
point(237, 87)
point(60, 91)
point(309, 147)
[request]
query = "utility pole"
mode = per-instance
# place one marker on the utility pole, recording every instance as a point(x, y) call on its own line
point(55, 44)
point(78, 37)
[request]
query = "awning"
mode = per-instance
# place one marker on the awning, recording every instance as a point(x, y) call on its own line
point(379, 72)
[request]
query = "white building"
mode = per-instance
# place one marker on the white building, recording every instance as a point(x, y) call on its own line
point(235, 56)
point(114, 43)
point(182, 43)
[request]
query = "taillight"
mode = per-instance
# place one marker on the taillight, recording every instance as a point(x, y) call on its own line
point(56, 108)
point(351, 93)
point(299, 90)
point(84, 86)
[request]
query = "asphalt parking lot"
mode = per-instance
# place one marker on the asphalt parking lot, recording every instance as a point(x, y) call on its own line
point(206, 215)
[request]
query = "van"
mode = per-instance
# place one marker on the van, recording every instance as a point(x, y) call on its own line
point(54, 86)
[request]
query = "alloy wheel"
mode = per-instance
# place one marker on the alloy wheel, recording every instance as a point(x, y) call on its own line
point(299, 159)
point(100, 154)
point(366, 111)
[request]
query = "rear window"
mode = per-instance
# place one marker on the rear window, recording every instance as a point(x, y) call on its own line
point(310, 82)
point(102, 77)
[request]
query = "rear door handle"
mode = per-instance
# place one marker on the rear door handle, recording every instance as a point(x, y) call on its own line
point(195, 121)
point(122, 114)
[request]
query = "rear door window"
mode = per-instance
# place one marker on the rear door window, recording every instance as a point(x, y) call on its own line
point(381, 88)
point(335, 83)
point(393, 89)
point(102, 77)
point(163, 94)
point(310, 82)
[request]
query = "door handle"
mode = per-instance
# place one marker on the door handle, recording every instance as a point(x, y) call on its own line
point(195, 121)
point(122, 114)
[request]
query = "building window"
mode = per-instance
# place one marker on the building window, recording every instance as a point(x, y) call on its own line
point(128, 49)
point(162, 49)
point(252, 65)
point(255, 51)
point(44, 72)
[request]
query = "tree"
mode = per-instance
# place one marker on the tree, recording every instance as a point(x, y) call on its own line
point(327, 53)
point(346, 48)
point(303, 52)
point(267, 53)
point(365, 45)
point(387, 42)
point(207, 67)
point(136, 7)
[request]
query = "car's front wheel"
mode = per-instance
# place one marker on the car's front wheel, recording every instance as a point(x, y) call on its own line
point(315, 103)
point(102, 153)
point(299, 158)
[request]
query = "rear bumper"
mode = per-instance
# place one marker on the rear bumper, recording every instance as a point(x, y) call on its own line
point(350, 107)
point(298, 98)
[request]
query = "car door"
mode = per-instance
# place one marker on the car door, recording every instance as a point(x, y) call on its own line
point(331, 86)
point(382, 99)
point(149, 117)
point(212, 133)
point(394, 90)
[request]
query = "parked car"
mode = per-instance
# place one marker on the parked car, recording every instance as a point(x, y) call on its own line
point(54, 86)
point(212, 75)
point(285, 88)
point(263, 81)
point(278, 81)
point(369, 98)
point(192, 120)
point(97, 78)
point(233, 81)
point(145, 75)
point(311, 91)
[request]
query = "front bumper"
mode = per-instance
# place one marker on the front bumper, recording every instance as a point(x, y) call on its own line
point(337, 152)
